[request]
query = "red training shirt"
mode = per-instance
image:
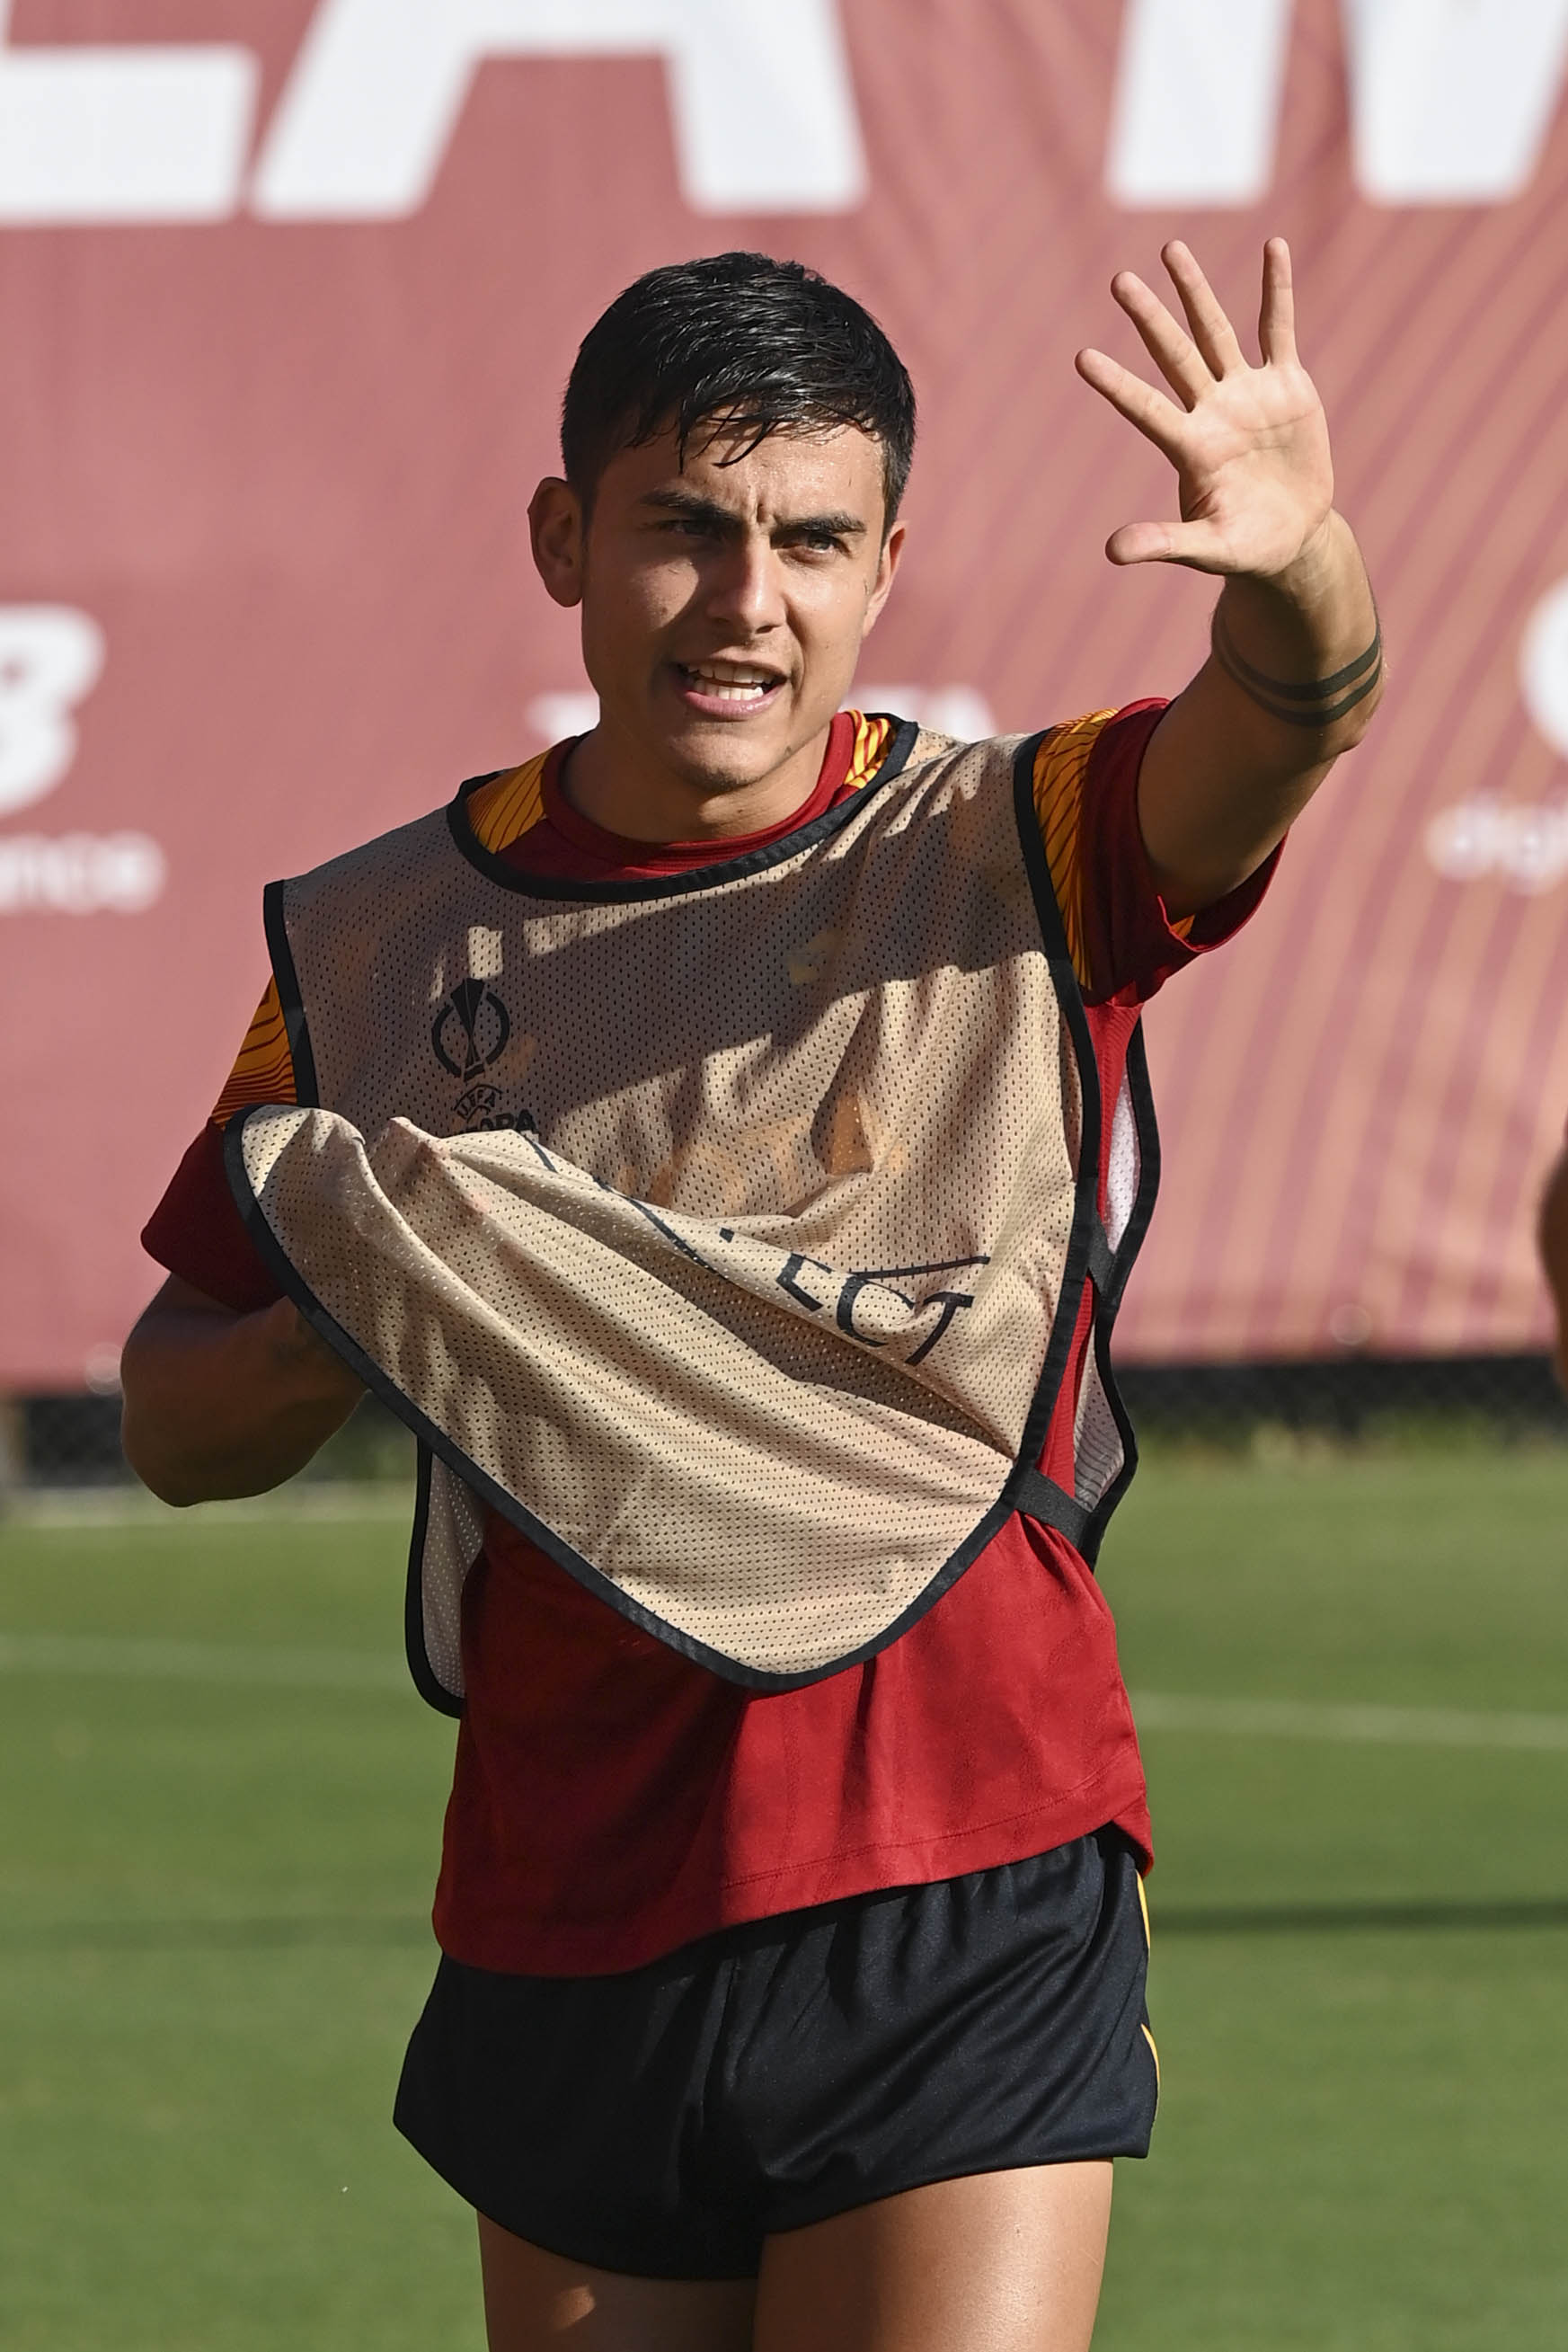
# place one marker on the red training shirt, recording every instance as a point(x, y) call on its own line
point(612, 1799)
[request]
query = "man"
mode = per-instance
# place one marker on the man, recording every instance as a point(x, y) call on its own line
point(725, 1140)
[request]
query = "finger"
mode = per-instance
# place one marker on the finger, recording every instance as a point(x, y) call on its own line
point(1174, 355)
point(1277, 318)
point(1211, 330)
point(1156, 416)
point(1198, 545)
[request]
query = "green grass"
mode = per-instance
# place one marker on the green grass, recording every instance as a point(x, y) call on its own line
point(1362, 2145)
point(212, 1937)
point(213, 1940)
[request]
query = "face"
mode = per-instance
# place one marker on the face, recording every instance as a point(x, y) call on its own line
point(723, 604)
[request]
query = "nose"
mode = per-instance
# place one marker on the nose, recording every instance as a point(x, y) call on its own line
point(744, 586)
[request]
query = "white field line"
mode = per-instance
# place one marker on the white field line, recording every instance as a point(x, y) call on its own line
point(139, 1660)
point(1401, 1726)
point(131, 1506)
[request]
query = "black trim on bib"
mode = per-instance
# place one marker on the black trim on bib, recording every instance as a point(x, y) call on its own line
point(435, 1441)
point(1025, 1489)
point(301, 1054)
point(497, 868)
point(1049, 1506)
point(1108, 1302)
point(1086, 1191)
point(1141, 1096)
point(1089, 1254)
point(426, 1681)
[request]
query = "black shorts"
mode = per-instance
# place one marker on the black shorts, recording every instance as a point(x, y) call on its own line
point(665, 2120)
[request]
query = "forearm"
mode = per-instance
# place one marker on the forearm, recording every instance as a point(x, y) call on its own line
point(1294, 677)
point(1302, 649)
point(219, 1404)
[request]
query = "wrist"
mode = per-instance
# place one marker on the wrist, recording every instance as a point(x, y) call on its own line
point(1307, 621)
point(1315, 570)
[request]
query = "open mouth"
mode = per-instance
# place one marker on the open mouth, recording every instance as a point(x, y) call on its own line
point(728, 685)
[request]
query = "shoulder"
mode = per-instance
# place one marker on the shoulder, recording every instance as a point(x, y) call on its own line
point(1084, 787)
point(499, 809)
point(1104, 748)
point(402, 849)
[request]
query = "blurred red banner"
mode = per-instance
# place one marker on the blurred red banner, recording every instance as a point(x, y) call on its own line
point(290, 291)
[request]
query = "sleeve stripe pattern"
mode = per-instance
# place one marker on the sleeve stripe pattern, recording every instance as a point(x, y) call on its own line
point(502, 812)
point(872, 738)
point(1060, 765)
point(263, 1071)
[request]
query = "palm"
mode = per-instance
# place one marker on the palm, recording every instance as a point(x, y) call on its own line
point(1250, 445)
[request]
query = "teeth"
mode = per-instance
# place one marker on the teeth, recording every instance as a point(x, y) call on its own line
point(731, 684)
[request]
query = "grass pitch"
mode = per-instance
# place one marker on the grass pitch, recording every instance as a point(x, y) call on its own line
point(1359, 1945)
point(212, 1925)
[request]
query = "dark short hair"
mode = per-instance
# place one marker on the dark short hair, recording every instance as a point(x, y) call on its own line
point(767, 345)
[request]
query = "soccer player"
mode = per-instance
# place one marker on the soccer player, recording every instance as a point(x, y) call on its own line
point(725, 1140)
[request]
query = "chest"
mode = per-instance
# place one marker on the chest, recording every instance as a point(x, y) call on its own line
point(876, 1016)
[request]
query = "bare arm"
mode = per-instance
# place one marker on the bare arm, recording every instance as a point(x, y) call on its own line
point(1554, 1254)
point(1297, 669)
point(218, 1404)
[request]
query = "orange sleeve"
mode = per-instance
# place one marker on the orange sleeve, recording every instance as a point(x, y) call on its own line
point(872, 738)
point(509, 805)
point(1061, 766)
point(1123, 943)
point(264, 1068)
point(196, 1231)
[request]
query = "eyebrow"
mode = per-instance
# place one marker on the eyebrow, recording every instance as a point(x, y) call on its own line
point(835, 525)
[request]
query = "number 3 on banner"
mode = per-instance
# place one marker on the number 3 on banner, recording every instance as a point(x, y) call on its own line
point(50, 656)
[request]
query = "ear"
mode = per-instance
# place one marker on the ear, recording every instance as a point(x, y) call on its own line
point(886, 565)
point(556, 533)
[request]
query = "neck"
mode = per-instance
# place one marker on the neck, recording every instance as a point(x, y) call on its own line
point(613, 784)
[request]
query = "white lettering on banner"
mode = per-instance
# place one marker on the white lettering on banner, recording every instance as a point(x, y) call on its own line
point(80, 874)
point(1522, 846)
point(960, 711)
point(1197, 101)
point(50, 656)
point(1450, 100)
point(153, 132)
point(1544, 667)
point(763, 108)
point(1481, 840)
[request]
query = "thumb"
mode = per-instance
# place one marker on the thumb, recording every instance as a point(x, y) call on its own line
point(1197, 544)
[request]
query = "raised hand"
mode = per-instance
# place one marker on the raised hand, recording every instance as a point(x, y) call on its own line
point(1250, 445)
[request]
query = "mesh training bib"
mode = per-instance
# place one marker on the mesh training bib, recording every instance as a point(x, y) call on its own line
point(727, 1232)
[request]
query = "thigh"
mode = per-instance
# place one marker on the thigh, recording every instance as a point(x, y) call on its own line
point(996, 2261)
point(534, 2299)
